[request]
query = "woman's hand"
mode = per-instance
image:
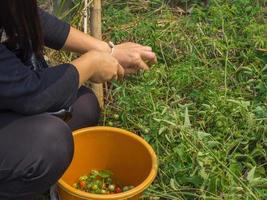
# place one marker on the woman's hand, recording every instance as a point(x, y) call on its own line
point(98, 67)
point(131, 56)
point(106, 67)
point(134, 57)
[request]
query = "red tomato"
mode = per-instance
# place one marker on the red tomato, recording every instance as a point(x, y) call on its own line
point(82, 184)
point(117, 189)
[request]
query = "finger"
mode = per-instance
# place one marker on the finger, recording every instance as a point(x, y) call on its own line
point(142, 65)
point(146, 48)
point(130, 71)
point(149, 56)
point(115, 77)
point(155, 60)
point(132, 44)
point(121, 71)
point(128, 45)
point(140, 48)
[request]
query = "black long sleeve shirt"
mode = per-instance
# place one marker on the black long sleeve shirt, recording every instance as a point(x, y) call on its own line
point(29, 92)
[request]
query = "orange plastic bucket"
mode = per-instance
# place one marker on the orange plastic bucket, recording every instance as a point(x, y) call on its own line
point(128, 156)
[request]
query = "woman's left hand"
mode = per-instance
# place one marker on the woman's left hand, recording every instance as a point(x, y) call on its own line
point(134, 57)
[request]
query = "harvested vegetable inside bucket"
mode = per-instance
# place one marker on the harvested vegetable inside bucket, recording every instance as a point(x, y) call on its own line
point(100, 182)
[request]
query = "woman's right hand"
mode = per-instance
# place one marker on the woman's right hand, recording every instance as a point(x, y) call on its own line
point(98, 67)
point(106, 67)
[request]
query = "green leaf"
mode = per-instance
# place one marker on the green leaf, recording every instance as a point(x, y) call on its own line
point(101, 173)
point(187, 122)
point(173, 184)
point(105, 173)
point(202, 134)
point(259, 182)
point(251, 173)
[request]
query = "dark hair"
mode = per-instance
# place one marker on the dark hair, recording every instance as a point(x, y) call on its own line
point(20, 21)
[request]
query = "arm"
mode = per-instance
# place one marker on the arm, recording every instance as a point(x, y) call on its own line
point(55, 31)
point(58, 34)
point(80, 42)
point(131, 56)
point(30, 92)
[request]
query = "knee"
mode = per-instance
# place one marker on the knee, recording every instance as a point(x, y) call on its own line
point(57, 136)
point(91, 113)
point(86, 110)
point(52, 150)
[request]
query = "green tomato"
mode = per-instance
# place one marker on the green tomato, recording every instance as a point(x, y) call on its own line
point(94, 172)
point(109, 180)
point(110, 123)
point(147, 131)
point(98, 182)
point(111, 188)
point(95, 187)
point(131, 187)
point(116, 116)
point(104, 191)
point(83, 178)
point(98, 191)
point(125, 188)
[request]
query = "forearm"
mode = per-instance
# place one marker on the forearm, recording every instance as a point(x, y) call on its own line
point(80, 42)
point(84, 66)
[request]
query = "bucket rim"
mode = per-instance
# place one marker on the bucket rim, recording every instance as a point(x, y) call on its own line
point(124, 195)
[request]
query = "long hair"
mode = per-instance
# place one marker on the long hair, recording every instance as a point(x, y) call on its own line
point(19, 19)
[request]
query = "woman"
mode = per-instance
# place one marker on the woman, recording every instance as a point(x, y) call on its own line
point(36, 147)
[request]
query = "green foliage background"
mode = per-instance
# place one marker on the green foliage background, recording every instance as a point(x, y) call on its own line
point(203, 107)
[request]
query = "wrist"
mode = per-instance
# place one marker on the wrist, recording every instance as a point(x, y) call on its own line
point(112, 46)
point(107, 48)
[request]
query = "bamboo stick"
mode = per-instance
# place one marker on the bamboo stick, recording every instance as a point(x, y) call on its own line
point(96, 31)
point(85, 18)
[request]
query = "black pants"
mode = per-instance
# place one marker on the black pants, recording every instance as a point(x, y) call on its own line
point(36, 150)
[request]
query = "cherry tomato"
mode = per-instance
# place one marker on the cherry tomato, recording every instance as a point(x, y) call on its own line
point(125, 188)
point(104, 192)
point(131, 187)
point(94, 187)
point(117, 189)
point(109, 180)
point(111, 187)
point(83, 178)
point(146, 131)
point(82, 184)
point(98, 182)
point(116, 116)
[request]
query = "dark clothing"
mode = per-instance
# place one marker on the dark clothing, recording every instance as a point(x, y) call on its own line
point(55, 31)
point(36, 150)
point(36, 147)
point(30, 92)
